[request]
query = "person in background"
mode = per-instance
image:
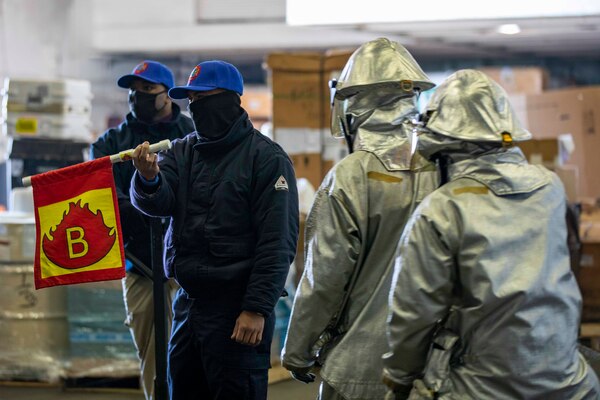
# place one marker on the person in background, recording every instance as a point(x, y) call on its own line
point(153, 117)
point(339, 314)
point(231, 195)
point(484, 304)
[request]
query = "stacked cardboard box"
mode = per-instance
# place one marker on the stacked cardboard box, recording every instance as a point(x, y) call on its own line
point(257, 102)
point(519, 80)
point(576, 112)
point(589, 274)
point(302, 109)
point(301, 120)
point(553, 154)
point(542, 151)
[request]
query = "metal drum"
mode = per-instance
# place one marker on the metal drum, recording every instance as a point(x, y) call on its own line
point(34, 334)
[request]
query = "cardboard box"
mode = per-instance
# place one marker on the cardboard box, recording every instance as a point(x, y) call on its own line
point(553, 113)
point(298, 100)
point(299, 82)
point(542, 151)
point(569, 175)
point(551, 154)
point(590, 231)
point(573, 111)
point(589, 281)
point(589, 205)
point(309, 166)
point(519, 106)
point(298, 88)
point(529, 80)
point(257, 102)
point(591, 214)
point(302, 108)
point(589, 226)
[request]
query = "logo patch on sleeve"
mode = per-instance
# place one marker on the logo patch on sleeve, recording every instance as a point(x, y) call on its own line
point(281, 183)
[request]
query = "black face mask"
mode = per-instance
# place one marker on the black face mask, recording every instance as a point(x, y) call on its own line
point(143, 106)
point(213, 115)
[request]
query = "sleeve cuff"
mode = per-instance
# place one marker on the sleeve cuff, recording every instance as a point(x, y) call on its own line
point(265, 313)
point(147, 182)
point(144, 186)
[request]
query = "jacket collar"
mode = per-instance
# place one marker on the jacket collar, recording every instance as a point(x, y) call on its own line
point(503, 172)
point(241, 128)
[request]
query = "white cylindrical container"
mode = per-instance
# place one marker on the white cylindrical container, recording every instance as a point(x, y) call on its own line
point(34, 330)
point(21, 200)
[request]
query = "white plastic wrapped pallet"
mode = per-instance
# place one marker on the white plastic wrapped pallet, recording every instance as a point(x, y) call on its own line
point(57, 109)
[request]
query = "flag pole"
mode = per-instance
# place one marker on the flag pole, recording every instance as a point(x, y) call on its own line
point(121, 156)
point(161, 333)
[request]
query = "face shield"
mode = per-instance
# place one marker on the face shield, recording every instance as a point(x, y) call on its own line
point(389, 103)
point(339, 120)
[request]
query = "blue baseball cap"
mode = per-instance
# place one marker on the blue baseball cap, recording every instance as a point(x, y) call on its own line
point(150, 71)
point(209, 75)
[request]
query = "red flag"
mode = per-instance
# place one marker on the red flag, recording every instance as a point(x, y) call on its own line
point(78, 230)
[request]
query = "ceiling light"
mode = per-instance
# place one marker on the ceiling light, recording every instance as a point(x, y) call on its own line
point(509, 29)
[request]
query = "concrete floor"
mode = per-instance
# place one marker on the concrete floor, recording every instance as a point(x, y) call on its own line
point(283, 390)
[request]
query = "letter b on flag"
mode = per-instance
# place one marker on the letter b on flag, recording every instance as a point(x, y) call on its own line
point(75, 239)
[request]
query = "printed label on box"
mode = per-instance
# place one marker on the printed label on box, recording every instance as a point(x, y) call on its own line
point(26, 126)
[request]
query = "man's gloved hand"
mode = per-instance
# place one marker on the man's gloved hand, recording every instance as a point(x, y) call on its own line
point(305, 377)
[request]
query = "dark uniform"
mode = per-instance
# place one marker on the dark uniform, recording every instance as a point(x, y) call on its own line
point(233, 205)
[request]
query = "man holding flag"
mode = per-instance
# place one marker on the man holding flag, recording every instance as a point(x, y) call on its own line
point(231, 195)
point(153, 117)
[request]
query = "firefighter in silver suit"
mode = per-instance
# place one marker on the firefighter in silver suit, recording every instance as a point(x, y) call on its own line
point(484, 304)
point(340, 309)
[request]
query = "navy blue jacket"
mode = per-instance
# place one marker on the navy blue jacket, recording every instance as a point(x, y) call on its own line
point(129, 134)
point(233, 205)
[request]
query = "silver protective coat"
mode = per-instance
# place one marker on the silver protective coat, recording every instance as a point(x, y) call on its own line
point(352, 230)
point(483, 271)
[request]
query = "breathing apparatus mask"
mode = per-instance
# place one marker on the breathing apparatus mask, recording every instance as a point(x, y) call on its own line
point(373, 106)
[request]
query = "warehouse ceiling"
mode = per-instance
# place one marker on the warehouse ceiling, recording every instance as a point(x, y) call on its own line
point(541, 37)
point(257, 27)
